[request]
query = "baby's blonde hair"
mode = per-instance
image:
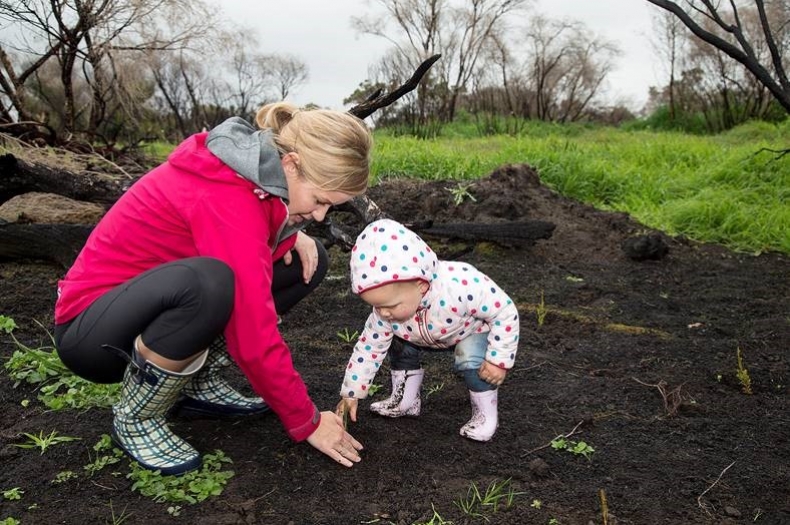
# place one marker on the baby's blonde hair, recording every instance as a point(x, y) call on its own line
point(333, 146)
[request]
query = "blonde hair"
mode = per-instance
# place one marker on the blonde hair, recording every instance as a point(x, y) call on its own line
point(333, 146)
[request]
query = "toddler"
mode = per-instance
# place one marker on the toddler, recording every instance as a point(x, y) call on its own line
point(420, 302)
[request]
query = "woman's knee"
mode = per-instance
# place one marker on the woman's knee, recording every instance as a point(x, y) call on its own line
point(217, 282)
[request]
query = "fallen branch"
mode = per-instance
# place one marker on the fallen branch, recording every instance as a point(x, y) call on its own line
point(672, 399)
point(778, 152)
point(547, 445)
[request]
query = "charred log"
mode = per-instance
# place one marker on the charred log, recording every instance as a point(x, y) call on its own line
point(18, 176)
point(509, 234)
point(58, 243)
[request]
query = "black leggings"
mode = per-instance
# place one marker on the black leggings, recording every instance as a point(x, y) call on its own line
point(179, 308)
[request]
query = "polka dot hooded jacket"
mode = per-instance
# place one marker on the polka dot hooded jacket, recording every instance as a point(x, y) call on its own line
point(461, 301)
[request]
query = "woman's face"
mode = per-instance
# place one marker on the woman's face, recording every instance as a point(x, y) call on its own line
point(396, 302)
point(305, 201)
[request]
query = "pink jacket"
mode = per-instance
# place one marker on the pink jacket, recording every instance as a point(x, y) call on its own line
point(195, 205)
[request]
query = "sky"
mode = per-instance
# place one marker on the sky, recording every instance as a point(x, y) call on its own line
point(319, 33)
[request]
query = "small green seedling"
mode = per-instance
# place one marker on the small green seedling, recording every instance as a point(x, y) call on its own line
point(536, 504)
point(13, 494)
point(346, 336)
point(477, 505)
point(63, 476)
point(541, 310)
point(7, 324)
point(436, 519)
point(121, 518)
point(10, 521)
point(43, 442)
point(434, 389)
point(460, 193)
point(742, 373)
point(373, 388)
point(574, 447)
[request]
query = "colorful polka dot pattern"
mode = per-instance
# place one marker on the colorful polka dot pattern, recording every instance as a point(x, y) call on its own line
point(461, 301)
point(385, 252)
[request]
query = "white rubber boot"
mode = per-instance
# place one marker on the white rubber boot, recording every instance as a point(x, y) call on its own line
point(485, 419)
point(405, 399)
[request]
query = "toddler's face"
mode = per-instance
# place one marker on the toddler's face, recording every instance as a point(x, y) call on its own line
point(396, 302)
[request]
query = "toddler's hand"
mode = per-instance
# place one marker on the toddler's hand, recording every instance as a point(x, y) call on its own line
point(348, 406)
point(492, 374)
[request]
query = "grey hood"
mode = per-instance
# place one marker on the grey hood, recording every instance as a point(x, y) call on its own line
point(251, 153)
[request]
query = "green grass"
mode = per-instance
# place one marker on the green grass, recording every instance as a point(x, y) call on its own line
point(708, 188)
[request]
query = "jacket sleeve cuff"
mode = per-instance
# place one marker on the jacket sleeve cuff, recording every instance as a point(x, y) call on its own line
point(304, 430)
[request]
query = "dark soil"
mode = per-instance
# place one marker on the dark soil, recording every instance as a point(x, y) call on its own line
point(638, 358)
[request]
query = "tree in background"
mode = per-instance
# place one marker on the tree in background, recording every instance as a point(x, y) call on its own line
point(91, 43)
point(418, 29)
point(130, 69)
point(735, 65)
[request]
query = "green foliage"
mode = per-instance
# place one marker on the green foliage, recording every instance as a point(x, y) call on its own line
point(64, 476)
point(13, 494)
point(10, 521)
point(119, 519)
point(112, 457)
point(460, 193)
point(436, 519)
point(708, 188)
point(574, 447)
point(742, 373)
point(479, 505)
point(346, 336)
point(541, 310)
point(7, 324)
point(43, 442)
point(59, 387)
point(191, 487)
point(434, 389)
point(373, 388)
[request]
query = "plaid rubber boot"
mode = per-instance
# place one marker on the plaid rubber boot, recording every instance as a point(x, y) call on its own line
point(405, 398)
point(139, 428)
point(208, 393)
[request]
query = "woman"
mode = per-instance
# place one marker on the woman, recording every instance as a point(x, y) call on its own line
point(190, 253)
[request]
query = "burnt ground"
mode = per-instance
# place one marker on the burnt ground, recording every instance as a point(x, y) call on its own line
point(639, 357)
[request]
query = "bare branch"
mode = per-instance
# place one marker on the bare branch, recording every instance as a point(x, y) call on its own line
point(368, 107)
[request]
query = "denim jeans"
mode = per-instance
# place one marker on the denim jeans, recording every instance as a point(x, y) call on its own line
point(469, 355)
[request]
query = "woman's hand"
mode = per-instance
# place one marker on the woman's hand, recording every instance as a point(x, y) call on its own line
point(332, 439)
point(347, 405)
point(492, 374)
point(308, 254)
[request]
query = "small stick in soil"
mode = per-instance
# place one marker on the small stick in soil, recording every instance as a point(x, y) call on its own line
point(705, 506)
point(604, 506)
point(547, 445)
